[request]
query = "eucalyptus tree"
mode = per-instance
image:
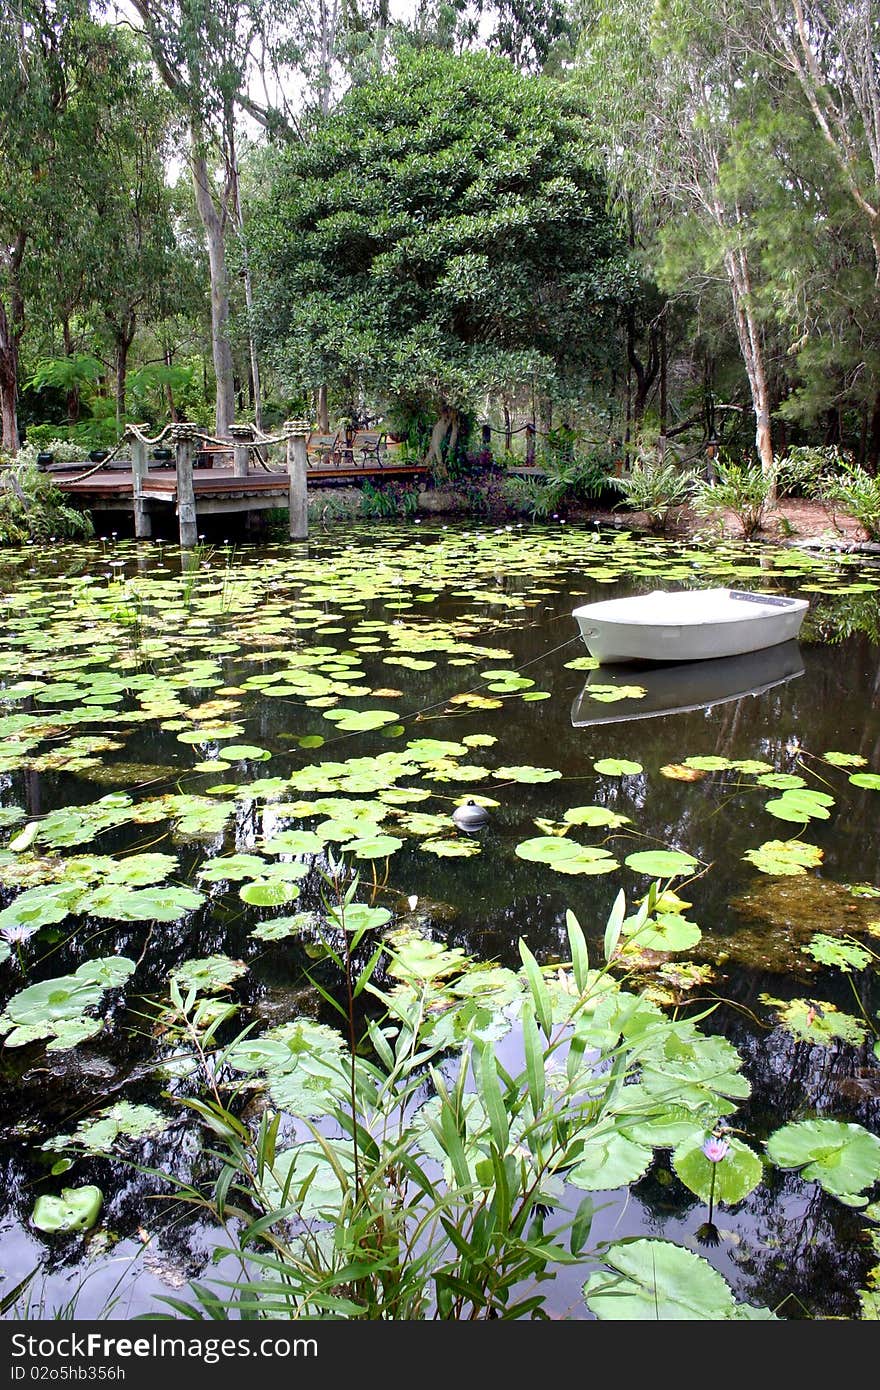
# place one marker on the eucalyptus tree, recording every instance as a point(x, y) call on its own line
point(135, 262)
point(52, 59)
point(445, 229)
point(668, 84)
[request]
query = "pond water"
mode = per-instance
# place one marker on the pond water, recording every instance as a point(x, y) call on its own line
point(159, 714)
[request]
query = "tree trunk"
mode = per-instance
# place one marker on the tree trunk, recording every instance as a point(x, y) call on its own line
point(11, 329)
point(664, 404)
point(749, 335)
point(221, 349)
point(123, 341)
point(323, 412)
point(8, 383)
point(256, 388)
point(645, 372)
point(872, 455)
point(73, 401)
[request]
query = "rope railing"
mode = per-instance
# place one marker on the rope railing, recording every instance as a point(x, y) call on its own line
point(134, 432)
point(102, 463)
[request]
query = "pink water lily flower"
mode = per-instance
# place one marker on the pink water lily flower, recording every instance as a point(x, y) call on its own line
point(716, 1148)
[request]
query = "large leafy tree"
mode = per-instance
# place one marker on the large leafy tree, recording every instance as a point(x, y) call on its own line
point(443, 231)
point(53, 60)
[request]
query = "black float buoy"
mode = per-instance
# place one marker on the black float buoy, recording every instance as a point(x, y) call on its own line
point(470, 816)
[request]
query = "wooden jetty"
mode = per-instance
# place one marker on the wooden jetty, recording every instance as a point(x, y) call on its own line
point(203, 477)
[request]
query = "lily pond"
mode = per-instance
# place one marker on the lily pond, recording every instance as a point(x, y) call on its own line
point(188, 741)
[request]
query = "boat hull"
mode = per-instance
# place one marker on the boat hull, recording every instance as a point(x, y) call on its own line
point(689, 625)
point(683, 687)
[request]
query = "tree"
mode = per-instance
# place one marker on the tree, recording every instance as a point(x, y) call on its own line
point(445, 229)
point(668, 86)
point(51, 60)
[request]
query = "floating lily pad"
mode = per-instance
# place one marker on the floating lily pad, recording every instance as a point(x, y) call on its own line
point(594, 816)
point(843, 952)
point(801, 804)
point(786, 857)
point(77, 1209)
point(843, 1158)
point(565, 856)
point(655, 1279)
point(527, 774)
point(208, 974)
point(617, 767)
point(728, 1180)
point(661, 863)
point(866, 779)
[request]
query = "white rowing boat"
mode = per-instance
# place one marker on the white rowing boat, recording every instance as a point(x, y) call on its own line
point(687, 625)
point(614, 694)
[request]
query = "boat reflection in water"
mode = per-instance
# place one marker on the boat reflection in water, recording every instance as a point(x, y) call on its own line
point(682, 687)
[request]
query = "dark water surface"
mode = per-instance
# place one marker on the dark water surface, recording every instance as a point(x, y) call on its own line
point(123, 644)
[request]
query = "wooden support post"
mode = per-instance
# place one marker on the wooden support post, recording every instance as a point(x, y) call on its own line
point(143, 525)
point(297, 462)
point(184, 442)
point(530, 443)
point(242, 438)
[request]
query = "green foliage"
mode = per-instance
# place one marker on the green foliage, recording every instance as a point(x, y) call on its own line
point(566, 482)
point(655, 486)
point(429, 1197)
point(740, 488)
point(33, 509)
point(852, 490)
point(77, 1209)
point(442, 234)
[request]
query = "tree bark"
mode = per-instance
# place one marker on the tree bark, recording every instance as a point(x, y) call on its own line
point(11, 329)
point(221, 348)
point(751, 346)
point(645, 372)
point(872, 454)
point(323, 412)
point(124, 338)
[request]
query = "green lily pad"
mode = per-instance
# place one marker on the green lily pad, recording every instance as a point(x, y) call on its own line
point(784, 857)
point(526, 774)
point(655, 1280)
point(77, 1209)
point(801, 804)
point(843, 952)
point(866, 779)
point(565, 856)
point(843, 1158)
point(845, 759)
point(661, 863)
point(608, 1161)
point(208, 974)
point(617, 767)
point(595, 816)
point(734, 1176)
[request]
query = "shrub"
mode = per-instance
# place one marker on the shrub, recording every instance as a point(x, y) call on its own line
point(421, 1178)
point(32, 508)
point(655, 485)
point(741, 488)
point(850, 489)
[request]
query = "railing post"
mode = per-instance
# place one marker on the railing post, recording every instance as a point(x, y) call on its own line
point(185, 436)
point(242, 438)
point(143, 526)
point(297, 462)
